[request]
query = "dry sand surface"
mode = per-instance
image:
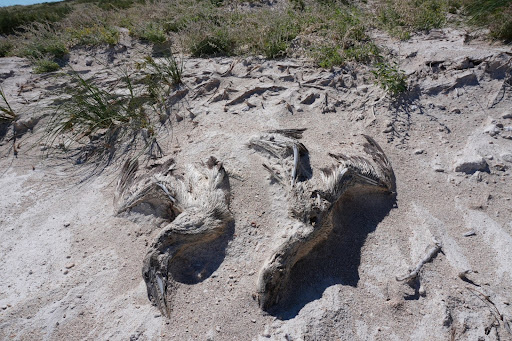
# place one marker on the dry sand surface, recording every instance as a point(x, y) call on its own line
point(70, 269)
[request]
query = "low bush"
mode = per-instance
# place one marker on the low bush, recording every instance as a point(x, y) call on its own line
point(390, 78)
point(94, 35)
point(152, 32)
point(5, 47)
point(45, 65)
point(279, 35)
point(218, 43)
point(328, 56)
point(42, 40)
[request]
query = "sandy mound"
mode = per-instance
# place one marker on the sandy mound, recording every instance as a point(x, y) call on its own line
point(71, 268)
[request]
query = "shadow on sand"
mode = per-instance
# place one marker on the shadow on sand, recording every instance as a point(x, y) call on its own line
point(336, 260)
point(201, 262)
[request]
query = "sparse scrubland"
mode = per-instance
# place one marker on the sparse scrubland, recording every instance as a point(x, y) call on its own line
point(330, 32)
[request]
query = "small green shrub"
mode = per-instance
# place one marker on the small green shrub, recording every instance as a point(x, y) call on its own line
point(278, 38)
point(53, 48)
point(45, 65)
point(43, 41)
point(152, 32)
point(5, 47)
point(362, 52)
point(217, 44)
point(390, 78)
point(94, 35)
point(275, 47)
point(328, 56)
point(44, 46)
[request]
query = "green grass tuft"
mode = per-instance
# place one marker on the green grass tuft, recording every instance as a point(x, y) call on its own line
point(7, 115)
point(328, 56)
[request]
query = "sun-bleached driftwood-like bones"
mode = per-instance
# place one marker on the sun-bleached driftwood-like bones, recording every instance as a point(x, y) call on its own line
point(197, 206)
point(311, 200)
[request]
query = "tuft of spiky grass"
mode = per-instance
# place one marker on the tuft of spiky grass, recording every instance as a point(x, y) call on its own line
point(104, 119)
point(218, 43)
point(7, 114)
point(96, 112)
point(167, 70)
point(494, 14)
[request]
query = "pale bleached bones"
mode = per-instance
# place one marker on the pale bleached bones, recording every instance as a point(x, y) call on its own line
point(311, 201)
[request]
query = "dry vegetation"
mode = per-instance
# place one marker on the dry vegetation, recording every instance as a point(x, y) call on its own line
point(329, 32)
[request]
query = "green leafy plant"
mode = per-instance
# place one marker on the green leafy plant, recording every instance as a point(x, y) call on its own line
point(46, 47)
point(390, 78)
point(328, 56)
point(362, 52)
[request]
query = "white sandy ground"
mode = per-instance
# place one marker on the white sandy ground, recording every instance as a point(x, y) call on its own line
point(71, 270)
